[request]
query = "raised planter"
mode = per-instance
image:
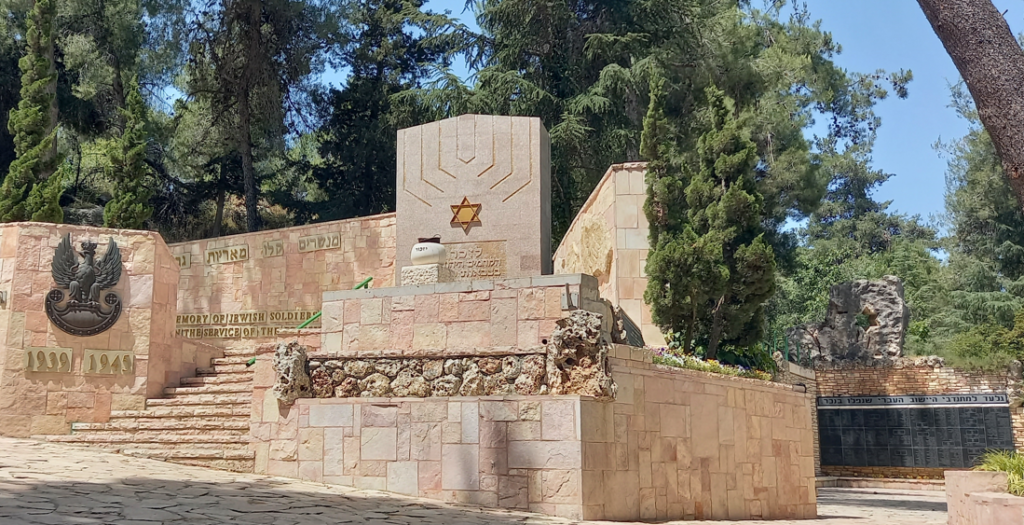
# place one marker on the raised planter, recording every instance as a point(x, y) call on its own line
point(975, 498)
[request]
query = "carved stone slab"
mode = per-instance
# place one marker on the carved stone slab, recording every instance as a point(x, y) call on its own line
point(117, 362)
point(53, 360)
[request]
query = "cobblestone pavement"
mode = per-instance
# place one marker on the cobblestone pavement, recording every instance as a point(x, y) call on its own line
point(47, 483)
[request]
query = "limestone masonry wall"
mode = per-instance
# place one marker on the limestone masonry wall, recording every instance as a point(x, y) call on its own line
point(240, 290)
point(609, 240)
point(674, 444)
point(453, 319)
point(46, 399)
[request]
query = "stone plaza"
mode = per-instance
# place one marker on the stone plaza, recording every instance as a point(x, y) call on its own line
point(504, 374)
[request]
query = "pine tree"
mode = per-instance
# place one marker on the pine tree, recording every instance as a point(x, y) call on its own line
point(25, 194)
point(709, 273)
point(127, 168)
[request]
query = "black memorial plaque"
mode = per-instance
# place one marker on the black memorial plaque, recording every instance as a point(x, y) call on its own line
point(912, 431)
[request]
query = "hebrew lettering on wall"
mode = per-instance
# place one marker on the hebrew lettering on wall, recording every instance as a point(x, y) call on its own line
point(108, 362)
point(54, 360)
point(227, 254)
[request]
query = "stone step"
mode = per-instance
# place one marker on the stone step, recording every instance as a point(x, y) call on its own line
point(202, 399)
point(223, 369)
point(184, 411)
point(235, 352)
point(166, 436)
point(216, 379)
point(118, 438)
point(234, 465)
point(233, 360)
point(169, 423)
point(226, 388)
point(191, 452)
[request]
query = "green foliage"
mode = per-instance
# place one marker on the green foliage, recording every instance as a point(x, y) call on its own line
point(710, 271)
point(1008, 461)
point(127, 169)
point(389, 53)
point(44, 199)
point(34, 126)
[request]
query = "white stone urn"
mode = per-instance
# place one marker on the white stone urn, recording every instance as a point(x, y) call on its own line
point(429, 251)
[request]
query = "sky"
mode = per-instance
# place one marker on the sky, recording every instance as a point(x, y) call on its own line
point(890, 35)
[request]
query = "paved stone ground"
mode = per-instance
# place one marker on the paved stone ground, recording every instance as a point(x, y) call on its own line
point(47, 483)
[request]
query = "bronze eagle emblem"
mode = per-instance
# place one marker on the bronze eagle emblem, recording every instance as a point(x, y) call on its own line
point(83, 313)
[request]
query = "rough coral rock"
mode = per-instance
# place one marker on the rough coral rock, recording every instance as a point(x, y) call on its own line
point(375, 385)
point(532, 376)
point(453, 367)
point(511, 367)
point(349, 387)
point(433, 369)
point(409, 384)
point(577, 357)
point(358, 368)
point(865, 320)
point(489, 365)
point(290, 368)
point(322, 384)
point(472, 381)
point(446, 386)
point(388, 367)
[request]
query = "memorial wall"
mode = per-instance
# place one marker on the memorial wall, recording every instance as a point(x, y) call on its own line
point(911, 419)
point(240, 290)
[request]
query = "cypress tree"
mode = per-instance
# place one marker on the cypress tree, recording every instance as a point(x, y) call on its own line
point(710, 269)
point(127, 168)
point(26, 194)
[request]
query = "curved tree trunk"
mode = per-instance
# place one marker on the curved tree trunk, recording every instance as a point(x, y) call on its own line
point(991, 63)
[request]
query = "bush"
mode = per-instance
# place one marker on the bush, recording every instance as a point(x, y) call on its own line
point(1006, 461)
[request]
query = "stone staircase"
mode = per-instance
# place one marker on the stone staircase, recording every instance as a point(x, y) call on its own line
point(203, 422)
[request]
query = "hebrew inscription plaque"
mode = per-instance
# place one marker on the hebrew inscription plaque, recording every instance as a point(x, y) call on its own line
point(477, 260)
point(948, 431)
point(184, 260)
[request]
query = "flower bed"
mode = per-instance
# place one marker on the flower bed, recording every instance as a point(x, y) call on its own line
point(665, 356)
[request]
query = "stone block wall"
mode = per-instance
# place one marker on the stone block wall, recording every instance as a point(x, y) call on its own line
point(609, 240)
point(701, 446)
point(240, 290)
point(907, 376)
point(793, 374)
point(981, 498)
point(453, 319)
point(674, 444)
point(37, 400)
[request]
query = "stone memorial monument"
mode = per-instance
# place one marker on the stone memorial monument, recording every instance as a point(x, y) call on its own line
point(483, 183)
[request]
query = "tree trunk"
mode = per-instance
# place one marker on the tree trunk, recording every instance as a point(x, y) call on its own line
point(51, 89)
point(991, 63)
point(716, 329)
point(218, 217)
point(252, 218)
point(254, 42)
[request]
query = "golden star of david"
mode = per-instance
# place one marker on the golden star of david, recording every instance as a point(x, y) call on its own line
point(465, 214)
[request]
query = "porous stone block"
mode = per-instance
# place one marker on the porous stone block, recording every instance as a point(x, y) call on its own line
point(426, 274)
